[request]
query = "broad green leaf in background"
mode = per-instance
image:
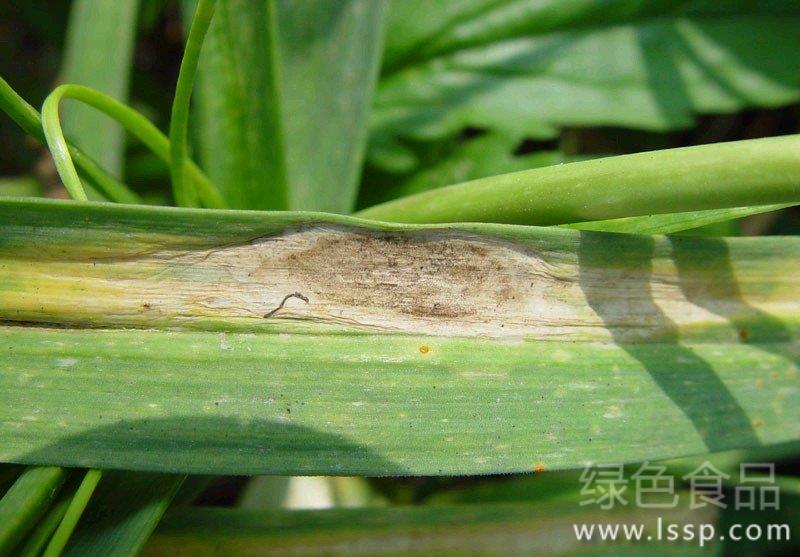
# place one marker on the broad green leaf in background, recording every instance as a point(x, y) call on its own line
point(456, 349)
point(235, 121)
point(283, 93)
point(534, 67)
point(99, 54)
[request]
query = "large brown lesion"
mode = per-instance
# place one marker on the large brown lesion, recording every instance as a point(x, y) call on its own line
point(436, 282)
point(436, 276)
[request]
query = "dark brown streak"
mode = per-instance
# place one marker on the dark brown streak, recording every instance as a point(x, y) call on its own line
point(292, 295)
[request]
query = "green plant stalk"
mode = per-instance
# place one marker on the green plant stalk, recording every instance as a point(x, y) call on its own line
point(574, 346)
point(179, 122)
point(123, 512)
point(73, 513)
point(38, 540)
point(29, 119)
point(134, 122)
point(735, 174)
point(26, 501)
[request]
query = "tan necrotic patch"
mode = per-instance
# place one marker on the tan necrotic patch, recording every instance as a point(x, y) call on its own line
point(444, 282)
point(435, 283)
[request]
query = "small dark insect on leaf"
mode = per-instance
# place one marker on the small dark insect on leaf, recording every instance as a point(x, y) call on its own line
point(292, 295)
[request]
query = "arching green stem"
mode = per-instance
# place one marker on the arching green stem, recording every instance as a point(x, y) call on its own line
point(29, 119)
point(58, 146)
point(131, 120)
point(179, 121)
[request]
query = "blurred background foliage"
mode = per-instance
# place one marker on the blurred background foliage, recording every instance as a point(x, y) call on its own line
point(465, 94)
